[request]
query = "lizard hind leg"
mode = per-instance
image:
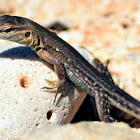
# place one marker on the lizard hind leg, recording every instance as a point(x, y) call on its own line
point(102, 69)
point(102, 104)
point(99, 66)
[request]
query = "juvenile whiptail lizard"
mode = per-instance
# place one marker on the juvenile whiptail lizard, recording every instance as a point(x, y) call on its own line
point(94, 80)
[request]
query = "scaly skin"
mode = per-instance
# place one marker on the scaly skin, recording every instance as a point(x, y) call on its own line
point(95, 81)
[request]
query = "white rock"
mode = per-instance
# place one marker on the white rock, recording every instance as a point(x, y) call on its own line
point(24, 107)
point(86, 131)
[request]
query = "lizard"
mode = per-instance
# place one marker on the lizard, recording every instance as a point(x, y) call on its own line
point(68, 63)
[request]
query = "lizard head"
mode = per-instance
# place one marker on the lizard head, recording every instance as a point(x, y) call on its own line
point(18, 29)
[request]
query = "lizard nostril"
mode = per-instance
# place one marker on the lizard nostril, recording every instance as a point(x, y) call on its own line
point(27, 34)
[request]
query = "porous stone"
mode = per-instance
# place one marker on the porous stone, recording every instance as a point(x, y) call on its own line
point(24, 106)
point(87, 131)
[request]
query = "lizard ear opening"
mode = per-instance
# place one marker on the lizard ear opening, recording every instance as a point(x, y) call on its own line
point(27, 34)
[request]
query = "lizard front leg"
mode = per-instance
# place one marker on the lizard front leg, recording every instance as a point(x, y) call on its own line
point(59, 69)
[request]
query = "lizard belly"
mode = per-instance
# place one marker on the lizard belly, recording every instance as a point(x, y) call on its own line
point(80, 82)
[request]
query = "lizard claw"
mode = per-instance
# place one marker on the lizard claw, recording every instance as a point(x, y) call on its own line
point(53, 83)
point(55, 88)
point(52, 89)
point(49, 89)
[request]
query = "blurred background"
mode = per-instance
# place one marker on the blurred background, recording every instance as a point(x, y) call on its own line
point(110, 29)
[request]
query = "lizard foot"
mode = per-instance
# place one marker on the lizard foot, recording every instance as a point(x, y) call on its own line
point(60, 89)
point(51, 89)
point(56, 87)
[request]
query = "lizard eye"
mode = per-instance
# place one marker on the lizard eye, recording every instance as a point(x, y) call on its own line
point(27, 34)
point(9, 30)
